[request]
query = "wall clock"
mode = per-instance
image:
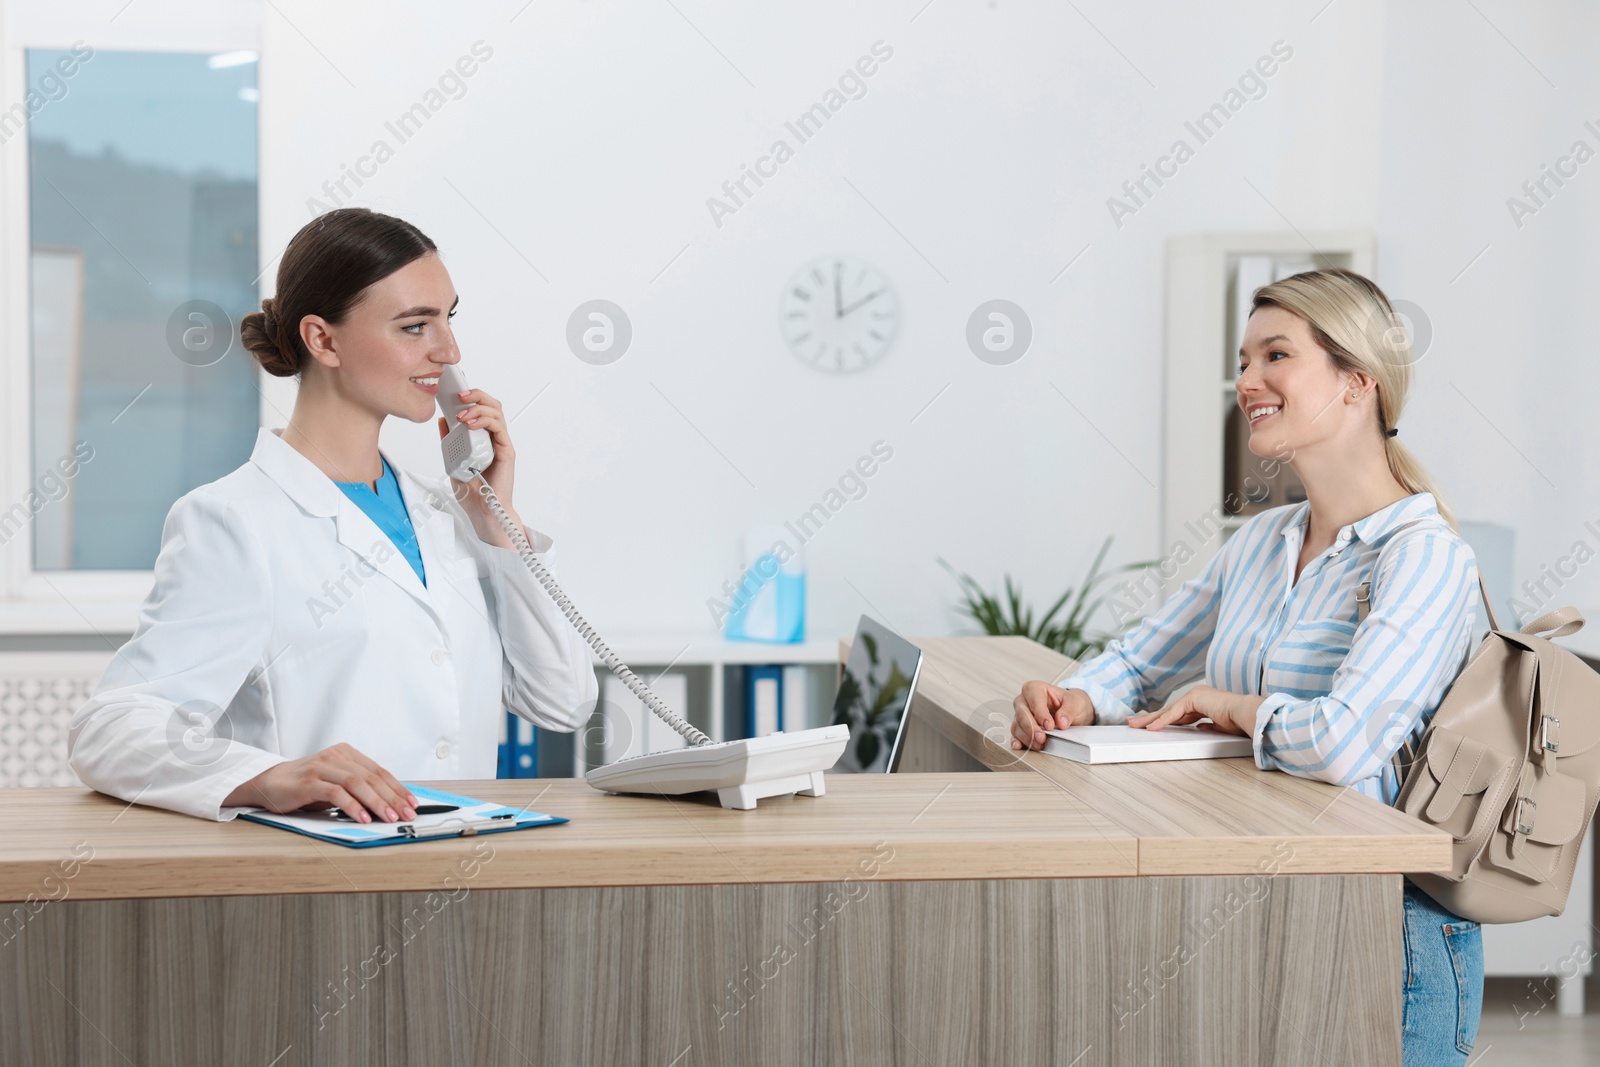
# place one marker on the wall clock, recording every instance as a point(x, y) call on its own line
point(838, 314)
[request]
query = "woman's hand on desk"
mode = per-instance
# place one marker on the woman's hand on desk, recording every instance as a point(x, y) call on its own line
point(1230, 713)
point(337, 777)
point(1042, 706)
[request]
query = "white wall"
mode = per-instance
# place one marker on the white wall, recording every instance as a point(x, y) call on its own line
point(588, 144)
point(1509, 392)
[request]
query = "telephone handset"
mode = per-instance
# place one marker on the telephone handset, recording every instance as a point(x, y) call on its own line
point(466, 450)
point(740, 771)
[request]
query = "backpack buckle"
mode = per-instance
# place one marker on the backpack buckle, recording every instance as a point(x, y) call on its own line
point(1525, 816)
point(1550, 733)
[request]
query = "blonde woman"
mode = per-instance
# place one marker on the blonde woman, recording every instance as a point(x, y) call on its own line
point(1271, 624)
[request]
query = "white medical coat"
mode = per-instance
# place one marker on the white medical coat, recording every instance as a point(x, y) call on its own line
point(282, 621)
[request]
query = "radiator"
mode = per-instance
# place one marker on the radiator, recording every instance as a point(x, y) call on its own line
point(39, 691)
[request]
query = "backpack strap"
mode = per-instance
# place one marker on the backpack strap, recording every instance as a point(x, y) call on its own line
point(1545, 622)
point(1560, 623)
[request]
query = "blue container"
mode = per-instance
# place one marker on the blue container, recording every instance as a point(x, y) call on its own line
point(770, 603)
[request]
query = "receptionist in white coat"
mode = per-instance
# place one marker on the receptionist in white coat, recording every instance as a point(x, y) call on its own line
point(325, 625)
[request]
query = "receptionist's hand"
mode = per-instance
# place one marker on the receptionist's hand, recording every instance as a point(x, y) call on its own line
point(1230, 713)
point(1042, 706)
point(337, 777)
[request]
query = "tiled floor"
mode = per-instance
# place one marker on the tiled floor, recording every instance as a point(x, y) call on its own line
point(1513, 1037)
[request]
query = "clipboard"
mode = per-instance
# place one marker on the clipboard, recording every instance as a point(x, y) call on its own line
point(465, 817)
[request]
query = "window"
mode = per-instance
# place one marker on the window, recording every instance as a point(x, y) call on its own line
point(142, 216)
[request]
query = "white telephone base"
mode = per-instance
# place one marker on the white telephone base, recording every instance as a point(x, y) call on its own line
point(740, 772)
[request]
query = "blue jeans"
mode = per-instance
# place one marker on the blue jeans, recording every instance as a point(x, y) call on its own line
point(1443, 990)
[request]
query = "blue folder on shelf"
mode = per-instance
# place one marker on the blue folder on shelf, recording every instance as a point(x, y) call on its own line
point(464, 817)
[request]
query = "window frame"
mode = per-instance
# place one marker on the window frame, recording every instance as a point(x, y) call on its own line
point(90, 601)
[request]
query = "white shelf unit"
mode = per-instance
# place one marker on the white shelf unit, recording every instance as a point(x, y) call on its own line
point(1201, 366)
point(711, 664)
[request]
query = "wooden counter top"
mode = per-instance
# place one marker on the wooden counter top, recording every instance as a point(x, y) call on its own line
point(1063, 820)
point(1191, 817)
point(935, 827)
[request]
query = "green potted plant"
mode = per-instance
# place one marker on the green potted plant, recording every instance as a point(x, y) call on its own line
point(1007, 613)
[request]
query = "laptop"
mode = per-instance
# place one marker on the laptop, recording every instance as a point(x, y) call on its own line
point(874, 693)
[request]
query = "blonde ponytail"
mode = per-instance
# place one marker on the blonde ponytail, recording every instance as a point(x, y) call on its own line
point(1411, 474)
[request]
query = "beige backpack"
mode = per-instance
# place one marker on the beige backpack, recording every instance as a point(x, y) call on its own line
point(1510, 767)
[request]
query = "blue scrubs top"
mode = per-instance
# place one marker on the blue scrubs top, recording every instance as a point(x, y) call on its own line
point(388, 509)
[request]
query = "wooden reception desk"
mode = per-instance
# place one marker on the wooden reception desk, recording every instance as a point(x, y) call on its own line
point(1197, 913)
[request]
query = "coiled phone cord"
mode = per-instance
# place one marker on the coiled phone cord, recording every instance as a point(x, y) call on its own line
point(608, 657)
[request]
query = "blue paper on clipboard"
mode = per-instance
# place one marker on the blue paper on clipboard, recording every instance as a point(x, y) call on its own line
point(467, 817)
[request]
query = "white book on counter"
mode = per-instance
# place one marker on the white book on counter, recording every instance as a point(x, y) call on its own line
point(1127, 744)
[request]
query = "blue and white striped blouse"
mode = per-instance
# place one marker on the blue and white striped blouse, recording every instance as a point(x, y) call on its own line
point(1341, 698)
